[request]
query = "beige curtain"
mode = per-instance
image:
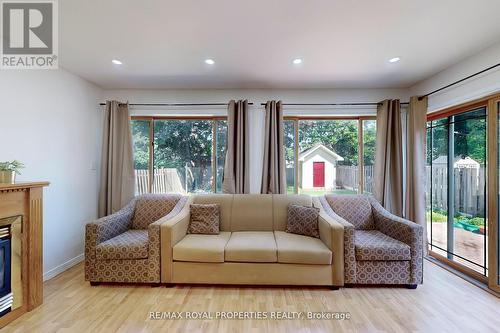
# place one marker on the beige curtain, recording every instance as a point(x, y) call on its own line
point(236, 168)
point(388, 171)
point(273, 167)
point(415, 163)
point(117, 162)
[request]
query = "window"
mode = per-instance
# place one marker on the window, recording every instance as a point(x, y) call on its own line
point(369, 140)
point(456, 188)
point(290, 148)
point(221, 145)
point(140, 137)
point(323, 155)
point(187, 155)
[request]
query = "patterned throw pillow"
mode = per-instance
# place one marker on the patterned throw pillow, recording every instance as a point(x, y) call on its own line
point(204, 219)
point(302, 220)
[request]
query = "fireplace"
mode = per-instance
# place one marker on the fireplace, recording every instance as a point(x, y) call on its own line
point(10, 264)
point(21, 223)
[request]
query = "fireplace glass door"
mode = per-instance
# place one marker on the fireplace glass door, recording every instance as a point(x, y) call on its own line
point(11, 264)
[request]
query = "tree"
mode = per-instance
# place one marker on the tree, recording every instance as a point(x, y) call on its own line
point(177, 144)
point(140, 135)
point(185, 143)
point(469, 138)
point(341, 136)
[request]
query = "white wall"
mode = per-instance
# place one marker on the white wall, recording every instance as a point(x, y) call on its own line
point(480, 86)
point(256, 114)
point(51, 122)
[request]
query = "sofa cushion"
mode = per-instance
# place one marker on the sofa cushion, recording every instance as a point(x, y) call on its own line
point(152, 207)
point(251, 246)
point(252, 212)
point(201, 248)
point(204, 219)
point(132, 244)
point(303, 220)
point(355, 209)
point(298, 249)
point(374, 245)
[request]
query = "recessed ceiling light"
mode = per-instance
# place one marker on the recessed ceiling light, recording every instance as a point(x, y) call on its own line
point(116, 62)
point(297, 61)
point(209, 61)
point(395, 59)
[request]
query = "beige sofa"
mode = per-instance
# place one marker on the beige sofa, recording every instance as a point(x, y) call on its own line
point(252, 247)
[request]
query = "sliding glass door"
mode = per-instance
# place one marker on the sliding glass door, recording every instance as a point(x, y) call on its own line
point(462, 193)
point(494, 175)
point(456, 170)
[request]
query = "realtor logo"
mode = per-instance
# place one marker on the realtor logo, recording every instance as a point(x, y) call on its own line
point(29, 32)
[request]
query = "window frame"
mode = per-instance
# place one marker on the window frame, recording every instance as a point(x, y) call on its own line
point(361, 165)
point(152, 119)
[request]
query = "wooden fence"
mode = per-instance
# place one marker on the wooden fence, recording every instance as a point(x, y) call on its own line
point(469, 186)
point(165, 181)
point(347, 177)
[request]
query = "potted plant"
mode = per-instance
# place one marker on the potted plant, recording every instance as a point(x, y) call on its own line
point(8, 171)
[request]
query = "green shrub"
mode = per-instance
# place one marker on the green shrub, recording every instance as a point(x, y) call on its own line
point(479, 221)
point(437, 217)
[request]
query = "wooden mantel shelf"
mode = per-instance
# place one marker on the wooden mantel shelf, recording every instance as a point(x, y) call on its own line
point(15, 186)
point(25, 199)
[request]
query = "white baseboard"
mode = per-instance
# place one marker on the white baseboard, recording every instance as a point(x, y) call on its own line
point(61, 268)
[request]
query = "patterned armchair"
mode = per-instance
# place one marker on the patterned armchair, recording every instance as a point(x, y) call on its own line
point(125, 246)
point(379, 247)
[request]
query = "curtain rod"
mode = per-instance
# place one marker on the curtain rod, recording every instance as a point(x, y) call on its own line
point(176, 104)
point(332, 104)
point(457, 82)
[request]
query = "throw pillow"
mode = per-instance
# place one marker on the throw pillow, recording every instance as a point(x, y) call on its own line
point(204, 219)
point(302, 220)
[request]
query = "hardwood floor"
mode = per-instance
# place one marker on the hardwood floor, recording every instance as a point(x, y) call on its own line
point(445, 303)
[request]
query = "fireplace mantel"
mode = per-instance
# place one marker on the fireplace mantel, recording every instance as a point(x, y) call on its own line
point(26, 200)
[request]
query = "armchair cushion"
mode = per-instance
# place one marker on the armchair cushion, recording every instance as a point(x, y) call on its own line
point(374, 245)
point(132, 244)
point(152, 207)
point(355, 209)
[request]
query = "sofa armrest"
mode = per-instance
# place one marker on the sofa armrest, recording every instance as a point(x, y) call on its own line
point(103, 229)
point(348, 241)
point(404, 231)
point(154, 228)
point(110, 226)
point(332, 235)
point(173, 228)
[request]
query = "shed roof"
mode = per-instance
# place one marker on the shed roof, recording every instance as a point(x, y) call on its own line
point(307, 152)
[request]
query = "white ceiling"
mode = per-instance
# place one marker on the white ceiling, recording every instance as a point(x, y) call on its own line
point(344, 44)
